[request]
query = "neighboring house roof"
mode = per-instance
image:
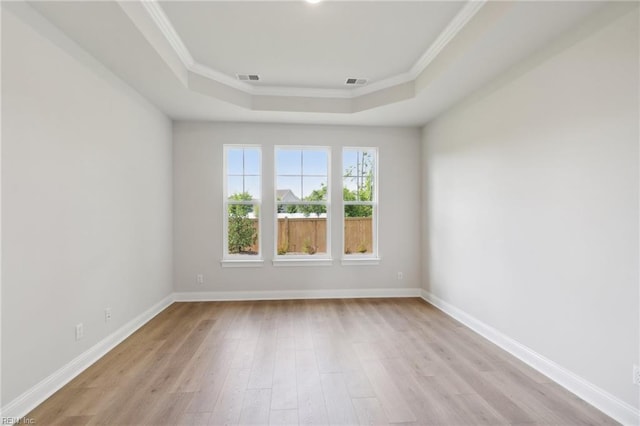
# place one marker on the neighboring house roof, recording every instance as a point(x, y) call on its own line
point(286, 195)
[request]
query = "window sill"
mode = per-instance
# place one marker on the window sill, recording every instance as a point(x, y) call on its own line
point(303, 262)
point(356, 260)
point(241, 263)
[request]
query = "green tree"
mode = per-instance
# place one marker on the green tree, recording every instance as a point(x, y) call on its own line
point(242, 233)
point(287, 208)
point(316, 195)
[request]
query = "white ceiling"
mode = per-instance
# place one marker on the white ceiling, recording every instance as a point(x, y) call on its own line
point(183, 63)
point(309, 45)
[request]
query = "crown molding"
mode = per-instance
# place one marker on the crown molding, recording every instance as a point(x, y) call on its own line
point(457, 23)
point(161, 20)
point(451, 30)
point(222, 78)
point(384, 84)
point(164, 25)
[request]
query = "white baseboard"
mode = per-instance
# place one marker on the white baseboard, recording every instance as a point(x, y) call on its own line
point(33, 397)
point(212, 296)
point(599, 398)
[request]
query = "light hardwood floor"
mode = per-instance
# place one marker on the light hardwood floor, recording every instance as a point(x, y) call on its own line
point(347, 362)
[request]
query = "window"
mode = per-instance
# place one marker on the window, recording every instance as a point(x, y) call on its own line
point(360, 203)
point(302, 203)
point(242, 195)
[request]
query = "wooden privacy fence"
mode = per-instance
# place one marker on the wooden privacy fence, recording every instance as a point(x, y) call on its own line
point(294, 234)
point(357, 235)
point(302, 235)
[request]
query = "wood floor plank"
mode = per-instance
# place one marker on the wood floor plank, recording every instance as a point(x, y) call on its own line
point(369, 412)
point(496, 396)
point(358, 384)
point(255, 407)
point(429, 407)
point(195, 419)
point(262, 368)
point(338, 402)
point(166, 409)
point(229, 404)
point(284, 394)
point(478, 412)
point(311, 362)
point(312, 409)
point(395, 407)
point(283, 417)
point(84, 402)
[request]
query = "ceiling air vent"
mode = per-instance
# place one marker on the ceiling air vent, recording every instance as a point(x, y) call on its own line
point(248, 77)
point(356, 81)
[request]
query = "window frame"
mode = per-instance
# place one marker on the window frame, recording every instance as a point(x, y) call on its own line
point(372, 258)
point(323, 259)
point(240, 260)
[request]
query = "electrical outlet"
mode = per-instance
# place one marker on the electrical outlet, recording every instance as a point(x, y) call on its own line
point(636, 375)
point(79, 331)
point(400, 275)
point(107, 315)
point(200, 279)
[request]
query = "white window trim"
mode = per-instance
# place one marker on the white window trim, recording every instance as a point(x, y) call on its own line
point(357, 259)
point(360, 260)
point(307, 260)
point(241, 263)
point(240, 260)
point(301, 259)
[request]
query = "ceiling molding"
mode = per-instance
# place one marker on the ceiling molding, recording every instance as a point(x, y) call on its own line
point(451, 30)
point(219, 77)
point(383, 84)
point(165, 26)
point(457, 23)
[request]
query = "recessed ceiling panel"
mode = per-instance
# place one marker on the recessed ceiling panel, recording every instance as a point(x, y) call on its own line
point(296, 44)
point(501, 41)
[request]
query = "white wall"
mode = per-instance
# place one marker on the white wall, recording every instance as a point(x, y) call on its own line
point(86, 202)
point(198, 175)
point(531, 197)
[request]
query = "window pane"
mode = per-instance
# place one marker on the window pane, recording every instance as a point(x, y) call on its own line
point(365, 188)
point(359, 178)
point(349, 192)
point(251, 161)
point(234, 161)
point(243, 161)
point(314, 188)
point(289, 183)
point(243, 185)
point(235, 185)
point(243, 229)
point(314, 162)
point(247, 188)
point(358, 229)
point(252, 186)
point(302, 230)
point(288, 162)
point(349, 162)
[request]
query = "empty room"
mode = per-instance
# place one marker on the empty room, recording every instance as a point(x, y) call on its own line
point(320, 212)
